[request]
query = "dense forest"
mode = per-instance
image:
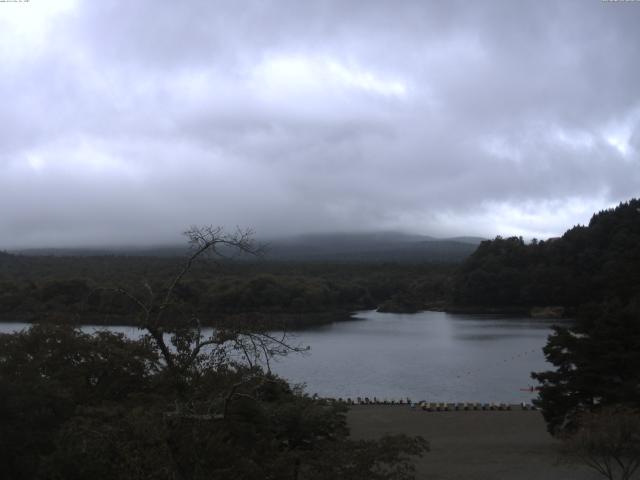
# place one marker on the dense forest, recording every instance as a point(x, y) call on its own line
point(74, 287)
point(588, 263)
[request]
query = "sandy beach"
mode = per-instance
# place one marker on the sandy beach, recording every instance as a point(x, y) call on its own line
point(478, 445)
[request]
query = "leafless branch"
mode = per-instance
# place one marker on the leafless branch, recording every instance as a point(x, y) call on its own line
point(608, 441)
point(255, 345)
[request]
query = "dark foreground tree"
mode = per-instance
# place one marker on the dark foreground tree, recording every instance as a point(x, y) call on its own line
point(597, 364)
point(608, 442)
point(175, 404)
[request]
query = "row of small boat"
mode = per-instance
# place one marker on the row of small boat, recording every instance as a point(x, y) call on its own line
point(371, 401)
point(434, 406)
point(445, 407)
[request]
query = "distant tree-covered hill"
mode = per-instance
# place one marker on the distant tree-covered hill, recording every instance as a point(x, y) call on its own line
point(366, 247)
point(371, 247)
point(597, 262)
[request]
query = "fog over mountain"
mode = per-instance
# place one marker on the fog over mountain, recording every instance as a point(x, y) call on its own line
point(125, 122)
point(327, 247)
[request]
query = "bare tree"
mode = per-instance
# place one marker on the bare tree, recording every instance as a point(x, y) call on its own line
point(608, 441)
point(187, 343)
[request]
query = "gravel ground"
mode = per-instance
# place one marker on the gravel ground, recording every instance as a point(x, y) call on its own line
point(478, 445)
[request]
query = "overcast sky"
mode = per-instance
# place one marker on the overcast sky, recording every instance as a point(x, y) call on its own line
point(127, 121)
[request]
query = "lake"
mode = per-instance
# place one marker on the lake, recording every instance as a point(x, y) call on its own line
point(433, 356)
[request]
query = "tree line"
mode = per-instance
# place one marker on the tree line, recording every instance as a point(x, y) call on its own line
point(598, 262)
point(83, 288)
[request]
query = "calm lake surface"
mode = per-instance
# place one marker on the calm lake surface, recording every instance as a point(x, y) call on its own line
point(429, 356)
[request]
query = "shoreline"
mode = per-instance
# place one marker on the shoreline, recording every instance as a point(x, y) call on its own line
point(268, 321)
point(549, 312)
point(273, 321)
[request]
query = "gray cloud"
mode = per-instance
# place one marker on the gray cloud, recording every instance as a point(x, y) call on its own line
point(125, 122)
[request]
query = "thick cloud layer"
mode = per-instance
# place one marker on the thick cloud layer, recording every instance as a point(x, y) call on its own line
point(126, 122)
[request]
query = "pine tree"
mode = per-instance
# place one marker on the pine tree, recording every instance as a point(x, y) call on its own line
point(597, 364)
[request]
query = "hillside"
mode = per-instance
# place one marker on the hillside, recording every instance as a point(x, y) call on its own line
point(329, 247)
point(588, 263)
point(371, 247)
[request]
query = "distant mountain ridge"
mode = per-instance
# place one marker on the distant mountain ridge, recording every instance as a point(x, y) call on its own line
point(370, 247)
point(335, 247)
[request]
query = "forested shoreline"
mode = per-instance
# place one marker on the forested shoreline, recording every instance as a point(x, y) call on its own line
point(295, 294)
point(593, 263)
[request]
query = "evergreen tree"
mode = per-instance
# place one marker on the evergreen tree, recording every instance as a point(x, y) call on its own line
point(597, 364)
point(599, 262)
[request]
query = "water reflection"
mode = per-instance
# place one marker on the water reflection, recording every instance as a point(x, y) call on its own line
point(429, 355)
